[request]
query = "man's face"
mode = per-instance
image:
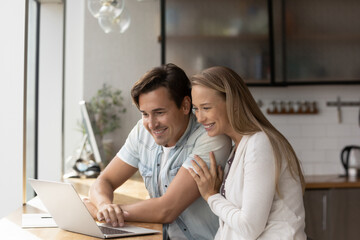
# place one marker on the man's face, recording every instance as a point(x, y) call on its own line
point(162, 118)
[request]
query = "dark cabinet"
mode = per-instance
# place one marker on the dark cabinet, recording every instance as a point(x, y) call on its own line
point(232, 33)
point(321, 41)
point(332, 214)
point(279, 42)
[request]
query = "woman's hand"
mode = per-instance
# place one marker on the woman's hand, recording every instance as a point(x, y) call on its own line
point(208, 181)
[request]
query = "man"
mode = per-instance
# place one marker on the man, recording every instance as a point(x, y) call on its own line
point(161, 146)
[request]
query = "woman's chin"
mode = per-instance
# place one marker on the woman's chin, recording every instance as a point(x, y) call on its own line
point(212, 133)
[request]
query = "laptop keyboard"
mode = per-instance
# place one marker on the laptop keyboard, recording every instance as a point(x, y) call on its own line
point(107, 230)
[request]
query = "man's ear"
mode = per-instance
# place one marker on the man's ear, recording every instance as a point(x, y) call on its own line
point(186, 105)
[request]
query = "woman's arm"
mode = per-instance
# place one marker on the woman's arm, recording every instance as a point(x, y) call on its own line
point(250, 216)
point(250, 219)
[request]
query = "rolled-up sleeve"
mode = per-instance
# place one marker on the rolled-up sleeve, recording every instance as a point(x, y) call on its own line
point(129, 152)
point(221, 146)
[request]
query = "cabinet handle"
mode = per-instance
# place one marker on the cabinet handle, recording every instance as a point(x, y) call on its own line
point(324, 212)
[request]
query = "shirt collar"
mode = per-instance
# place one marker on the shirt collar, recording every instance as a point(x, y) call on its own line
point(185, 136)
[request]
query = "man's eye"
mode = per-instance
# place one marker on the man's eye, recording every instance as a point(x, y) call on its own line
point(145, 114)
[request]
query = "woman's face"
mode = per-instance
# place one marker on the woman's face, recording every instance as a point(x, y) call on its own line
point(210, 110)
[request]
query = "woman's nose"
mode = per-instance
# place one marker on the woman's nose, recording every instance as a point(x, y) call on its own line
point(200, 116)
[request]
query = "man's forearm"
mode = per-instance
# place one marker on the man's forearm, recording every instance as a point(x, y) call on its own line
point(101, 192)
point(150, 210)
point(181, 193)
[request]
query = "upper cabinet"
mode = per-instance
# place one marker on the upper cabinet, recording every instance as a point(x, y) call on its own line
point(233, 33)
point(267, 42)
point(322, 40)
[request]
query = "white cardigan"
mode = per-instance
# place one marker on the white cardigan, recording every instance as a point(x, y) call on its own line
point(252, 208)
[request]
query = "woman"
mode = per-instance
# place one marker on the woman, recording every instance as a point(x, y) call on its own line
point(261, 194)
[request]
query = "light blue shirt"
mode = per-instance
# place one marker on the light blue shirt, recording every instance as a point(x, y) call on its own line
point(141, 151)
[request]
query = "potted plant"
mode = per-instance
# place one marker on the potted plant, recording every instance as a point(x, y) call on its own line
point(107, 107)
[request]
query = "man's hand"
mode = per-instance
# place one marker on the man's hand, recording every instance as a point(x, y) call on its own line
point(208, 181)
point(91, 207)
point(111, 214)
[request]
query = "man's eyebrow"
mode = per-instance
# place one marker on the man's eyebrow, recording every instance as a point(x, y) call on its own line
point(154, 110)
point(158, 109)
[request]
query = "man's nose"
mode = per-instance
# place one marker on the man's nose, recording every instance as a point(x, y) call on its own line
point(152, 122)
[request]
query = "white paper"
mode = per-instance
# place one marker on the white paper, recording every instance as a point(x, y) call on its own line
point(37, 220)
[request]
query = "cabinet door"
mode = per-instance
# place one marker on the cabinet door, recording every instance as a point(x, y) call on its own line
point(204, 33)
point(322, 41)
point(316, 219)
point(344, 214)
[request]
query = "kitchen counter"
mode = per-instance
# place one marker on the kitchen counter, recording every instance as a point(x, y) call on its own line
point(331, 181)
point(132, 191)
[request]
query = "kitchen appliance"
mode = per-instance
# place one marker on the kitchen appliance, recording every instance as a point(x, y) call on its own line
point(350, 159)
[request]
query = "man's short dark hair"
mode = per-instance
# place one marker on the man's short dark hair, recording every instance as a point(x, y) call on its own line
point(169, 76)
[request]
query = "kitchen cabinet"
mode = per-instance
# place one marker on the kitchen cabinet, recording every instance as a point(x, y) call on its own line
point(321, 41)
point(332, 213)
point(232, 33)
point(279, 42)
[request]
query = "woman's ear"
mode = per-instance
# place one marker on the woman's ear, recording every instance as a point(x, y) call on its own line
point(186, 105)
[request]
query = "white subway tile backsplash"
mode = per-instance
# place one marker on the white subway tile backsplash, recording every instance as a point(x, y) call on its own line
point(276, 120)
point(289, 130)
point(308, 168)
point(327, 168)
point(339, 130)
point(317, 139)
point(326, 143)
point(344, 141)
point(301, 143)
point(312, 156)
point(333, 155)
point(356, 130)
point(315, 130)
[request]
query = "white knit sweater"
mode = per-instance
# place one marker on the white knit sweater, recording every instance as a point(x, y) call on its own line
point(252, 208)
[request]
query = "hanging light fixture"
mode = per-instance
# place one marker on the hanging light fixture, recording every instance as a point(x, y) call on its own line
point(111, 15)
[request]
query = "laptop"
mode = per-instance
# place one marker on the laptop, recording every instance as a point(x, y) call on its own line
point(70, 213)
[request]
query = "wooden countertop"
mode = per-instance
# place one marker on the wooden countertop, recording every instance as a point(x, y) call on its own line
point(131, 191)
point(134, 189)
point(10, 227)
point(331, 181)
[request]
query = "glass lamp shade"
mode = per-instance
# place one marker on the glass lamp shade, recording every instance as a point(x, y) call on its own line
point(118, 6)
point(110, 14)
point(123, 21)
point(106, 18)
point(94, 7)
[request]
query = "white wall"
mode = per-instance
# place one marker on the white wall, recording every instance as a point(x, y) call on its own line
point(94, 57)
point(74, 76)
point(50, 91)
point(121, 59)
point(317, 139)
point(11, 104)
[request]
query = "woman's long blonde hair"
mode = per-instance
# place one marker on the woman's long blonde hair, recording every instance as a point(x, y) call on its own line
point(246, 118)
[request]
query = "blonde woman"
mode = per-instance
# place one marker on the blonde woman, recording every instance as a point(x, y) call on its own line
point(261, 194)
